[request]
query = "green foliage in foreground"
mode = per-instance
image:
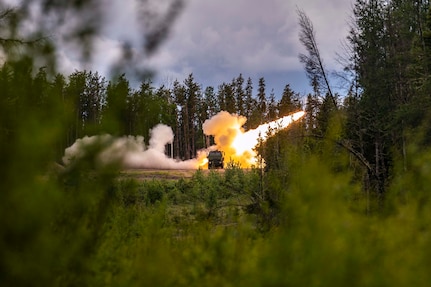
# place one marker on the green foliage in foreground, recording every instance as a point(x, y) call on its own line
point(89, 229)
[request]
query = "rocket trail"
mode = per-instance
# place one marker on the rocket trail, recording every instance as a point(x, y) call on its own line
point(238, 145)
point(229, 136)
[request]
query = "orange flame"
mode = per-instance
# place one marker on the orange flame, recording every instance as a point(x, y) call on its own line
point(203, 162)
point(236, 144)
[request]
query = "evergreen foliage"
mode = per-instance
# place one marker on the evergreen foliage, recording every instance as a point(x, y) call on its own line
point(342, 198)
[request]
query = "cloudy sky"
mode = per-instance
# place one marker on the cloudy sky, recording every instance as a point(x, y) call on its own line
point(217, 40)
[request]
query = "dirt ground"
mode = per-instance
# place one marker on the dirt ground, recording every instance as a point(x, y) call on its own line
point(172, 174)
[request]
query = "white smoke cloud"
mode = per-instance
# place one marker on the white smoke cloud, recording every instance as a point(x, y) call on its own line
point(130, 151)
point(160, 135)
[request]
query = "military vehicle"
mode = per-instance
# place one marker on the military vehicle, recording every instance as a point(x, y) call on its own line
point(215, 159)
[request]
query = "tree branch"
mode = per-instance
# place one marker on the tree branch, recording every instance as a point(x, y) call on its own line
point(344, 144)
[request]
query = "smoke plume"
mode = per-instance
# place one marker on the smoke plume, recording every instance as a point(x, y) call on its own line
point(130, 151)
point(229, 137)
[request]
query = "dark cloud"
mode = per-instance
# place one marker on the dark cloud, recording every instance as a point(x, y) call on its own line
point(217, 40)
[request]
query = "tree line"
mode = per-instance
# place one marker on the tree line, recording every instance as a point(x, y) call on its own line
point(94, 105)
point(386, 63)
point(388, 104)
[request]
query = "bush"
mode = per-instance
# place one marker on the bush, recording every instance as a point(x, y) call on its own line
point(154, 191)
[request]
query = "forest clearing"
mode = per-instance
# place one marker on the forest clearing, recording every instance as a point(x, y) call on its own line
point(104, 182)
point(160, 174)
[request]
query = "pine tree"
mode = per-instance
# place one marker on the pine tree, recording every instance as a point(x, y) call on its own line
point(289, 102)
point(325, 112)
point(143, 110)
point(116, 114)
point(210, 108)
point(229, 97)
point(272, 107)
point(313, 61)
point(311, 110)
point(180, 101)
point(166, 106)
point(57, 93)
point(73, 94)
point(251, 108)
point(211, 102)
point(262, 101)
point(93, 99)
point(221, 97)
point(192, 131)
point(239, 95)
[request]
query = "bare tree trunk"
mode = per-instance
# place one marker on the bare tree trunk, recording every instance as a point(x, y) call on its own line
point(186, 134)
point(177, 142)
point(192, 140)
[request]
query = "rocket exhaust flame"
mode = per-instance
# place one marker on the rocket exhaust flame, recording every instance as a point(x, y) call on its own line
point(249, 139)
point(203, 162)
point(226, 128)
point(238, 145)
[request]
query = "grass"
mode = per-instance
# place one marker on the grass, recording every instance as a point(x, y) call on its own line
point(201, 231)
point(324, 237)
point(143, 174)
